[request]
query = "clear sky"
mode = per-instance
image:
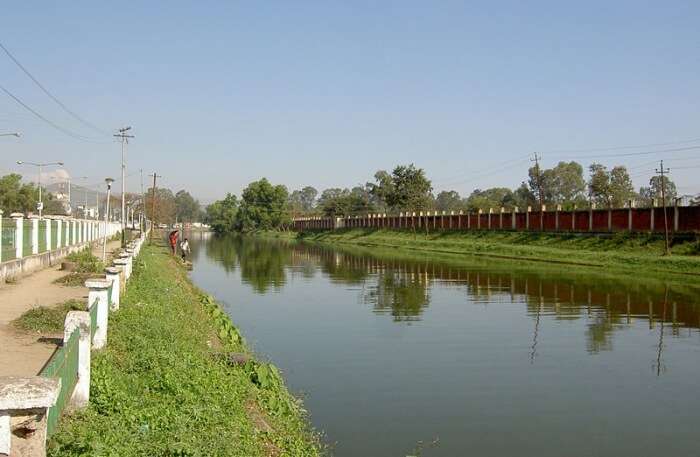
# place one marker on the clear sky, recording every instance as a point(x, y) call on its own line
point(325, 93)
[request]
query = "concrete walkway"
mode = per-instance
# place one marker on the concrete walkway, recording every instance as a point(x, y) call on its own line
point(22, 353)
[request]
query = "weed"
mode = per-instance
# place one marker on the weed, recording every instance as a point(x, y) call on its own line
point(47, 319)
point(85, 261)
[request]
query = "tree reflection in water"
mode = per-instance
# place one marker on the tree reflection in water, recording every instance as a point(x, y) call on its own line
point(401, 286)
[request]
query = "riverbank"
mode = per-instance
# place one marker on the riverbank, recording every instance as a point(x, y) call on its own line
point(622, 252)
point(177, 379)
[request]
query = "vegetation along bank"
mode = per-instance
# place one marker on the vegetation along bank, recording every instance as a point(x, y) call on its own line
point(177, 380)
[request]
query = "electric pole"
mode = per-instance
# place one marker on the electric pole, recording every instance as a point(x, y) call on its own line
point(153, 206)
point(661, 171)
point(536, 159)
point(124, 137)
point(143, 203)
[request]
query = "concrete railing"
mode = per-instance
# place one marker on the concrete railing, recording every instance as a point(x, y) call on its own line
point(30, 406)
point(33, 243)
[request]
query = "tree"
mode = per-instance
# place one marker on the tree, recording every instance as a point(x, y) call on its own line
point(303, 201)
point(524, 197)
point(610, 188)
point(653, 191)
point(221, 215)
point(343, 202)
point(449, 201)
point(621, 188)
point(186, 207)
point(165, 209)
point(263, 207)
point(410, 189)
point(495, 197)
point(563, 184)
point(382, 189)
point(18, 197)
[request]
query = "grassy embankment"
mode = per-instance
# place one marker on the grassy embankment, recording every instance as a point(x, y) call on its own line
point(166, 384)
point(621, 252)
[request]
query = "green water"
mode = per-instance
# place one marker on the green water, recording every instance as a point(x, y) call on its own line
point(400, 355)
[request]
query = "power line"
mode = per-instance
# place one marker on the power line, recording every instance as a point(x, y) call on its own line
point(48, 121)
point(49, 94)
point(629, 154)
point(615, 148)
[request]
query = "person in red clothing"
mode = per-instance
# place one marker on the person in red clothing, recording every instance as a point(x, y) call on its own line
point(173, 241)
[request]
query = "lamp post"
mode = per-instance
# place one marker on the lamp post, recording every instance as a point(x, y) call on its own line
point(109, 182)
point(17, 134)
point(40, 205)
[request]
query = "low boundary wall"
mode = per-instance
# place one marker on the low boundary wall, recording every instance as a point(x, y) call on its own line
point(30, 407)
point(685, 219)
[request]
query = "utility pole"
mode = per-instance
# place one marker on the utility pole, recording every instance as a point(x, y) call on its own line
point(536, 159)
point(661, 171)
point(153, 206)
point(124, 140)
point(143, 203)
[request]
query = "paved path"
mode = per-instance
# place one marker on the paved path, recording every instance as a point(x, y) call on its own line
point(22, 353)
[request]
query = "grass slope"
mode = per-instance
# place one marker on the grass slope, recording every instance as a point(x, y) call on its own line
point(164, 386)
point(622, 252)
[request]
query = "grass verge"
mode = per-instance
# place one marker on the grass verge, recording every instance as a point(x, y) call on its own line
point(162, 388)
point(621, 252)
point(47, 319)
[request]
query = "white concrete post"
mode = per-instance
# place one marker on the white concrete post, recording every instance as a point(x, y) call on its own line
point(112, 275)
point(81, 321)
point(527, 218)
point(126, 256)
point(74, 232)
point(500, 218)
point(630, 207)
point(48, 234)
point(590, 217)
point(122, 265)
point(556, 218)
point(490, 214)
point(59, 223)
point(675, 214)
point(478, 219)
point(19, 233)
point(20, 397)
point(35, 234)
point(97, 296)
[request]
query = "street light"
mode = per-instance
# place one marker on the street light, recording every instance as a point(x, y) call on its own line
point(17, 134)
point(109, 182)
point(40, 205)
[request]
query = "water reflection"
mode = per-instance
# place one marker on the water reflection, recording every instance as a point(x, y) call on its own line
point(401, 287)
point(392, 348)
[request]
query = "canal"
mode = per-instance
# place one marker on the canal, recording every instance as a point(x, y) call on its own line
point(403, 355)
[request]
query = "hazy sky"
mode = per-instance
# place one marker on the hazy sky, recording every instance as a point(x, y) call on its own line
point(325, 93)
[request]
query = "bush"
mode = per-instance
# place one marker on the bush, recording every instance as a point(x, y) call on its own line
point(85, 261)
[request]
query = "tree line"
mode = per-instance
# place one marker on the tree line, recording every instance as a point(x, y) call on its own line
point(264, 206)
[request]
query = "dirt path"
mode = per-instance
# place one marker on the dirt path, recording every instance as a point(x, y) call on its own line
point(22, 353)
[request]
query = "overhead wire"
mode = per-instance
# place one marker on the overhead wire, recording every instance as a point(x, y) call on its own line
point(50, 95)
point(614, 148)
point(63, 130)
